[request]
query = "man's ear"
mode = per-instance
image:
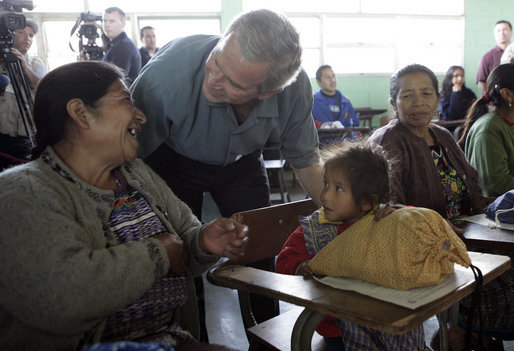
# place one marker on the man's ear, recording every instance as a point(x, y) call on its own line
point(269, 94)
point(369, 203)
point(78, 112)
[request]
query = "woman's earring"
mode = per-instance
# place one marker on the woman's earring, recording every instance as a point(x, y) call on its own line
point(510, 103)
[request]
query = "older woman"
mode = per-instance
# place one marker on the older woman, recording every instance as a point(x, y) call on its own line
point(489, 136)
point(429, 168)
point(94, 245)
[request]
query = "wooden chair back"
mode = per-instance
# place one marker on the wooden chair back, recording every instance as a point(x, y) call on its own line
point(269, 228)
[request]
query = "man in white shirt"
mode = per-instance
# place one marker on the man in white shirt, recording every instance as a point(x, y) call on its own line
point(13, 135)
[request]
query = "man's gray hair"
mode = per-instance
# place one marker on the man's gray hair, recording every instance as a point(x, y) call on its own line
point(266, 36)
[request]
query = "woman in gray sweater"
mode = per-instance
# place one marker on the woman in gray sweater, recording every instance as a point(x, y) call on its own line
point(94, 246)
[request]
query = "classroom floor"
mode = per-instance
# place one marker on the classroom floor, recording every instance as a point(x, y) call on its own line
point(224, 322)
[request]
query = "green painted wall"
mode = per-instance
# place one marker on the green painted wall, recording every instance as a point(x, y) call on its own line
point(481, 15)
point(373, 91)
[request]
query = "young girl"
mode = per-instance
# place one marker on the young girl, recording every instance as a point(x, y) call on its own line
point(356, 180)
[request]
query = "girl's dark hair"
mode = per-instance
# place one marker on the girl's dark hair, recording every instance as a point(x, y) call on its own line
point(86, 80)
point(447, 86)
point(501, 77)
point(394, 87)
point(364, 165)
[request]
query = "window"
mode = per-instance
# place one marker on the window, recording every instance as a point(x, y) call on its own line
point(171, 28)
point(375, 36)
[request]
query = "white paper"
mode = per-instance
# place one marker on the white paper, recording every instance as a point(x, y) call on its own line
point(412, 298)
point(482, 219)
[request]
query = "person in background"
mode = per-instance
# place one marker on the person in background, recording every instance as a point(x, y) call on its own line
point(491, 59)
point(356, 180)
point(213, 103)
point(120, 50)
point(149, 48)
point(95, 247)
point(456, 98)
point(489, 135)
point(330, 105)
point(13, 135)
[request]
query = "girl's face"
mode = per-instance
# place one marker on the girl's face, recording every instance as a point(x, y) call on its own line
point(337, 198)
point(458, 77)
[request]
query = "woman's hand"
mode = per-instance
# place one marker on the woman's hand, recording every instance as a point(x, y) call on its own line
point(457, 230)
point(383, 211)
point(178, 256)
point(457, 86)
point(304, 270)
point(224, 237)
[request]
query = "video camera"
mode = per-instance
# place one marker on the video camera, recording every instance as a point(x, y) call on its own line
point(10, 21)
point(88, 30)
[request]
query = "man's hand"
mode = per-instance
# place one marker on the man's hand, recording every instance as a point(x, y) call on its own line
point(224, 237)
point(31, 77)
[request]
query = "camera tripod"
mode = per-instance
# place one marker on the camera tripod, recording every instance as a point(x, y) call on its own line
point(20, 87)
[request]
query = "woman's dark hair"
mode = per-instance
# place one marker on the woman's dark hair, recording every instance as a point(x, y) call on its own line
point(364, 165)
point(447, 86)
point(86, 80)
point(501, 77)
point(394, 88)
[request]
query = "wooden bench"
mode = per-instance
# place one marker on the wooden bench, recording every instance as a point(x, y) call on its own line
point(276, 333)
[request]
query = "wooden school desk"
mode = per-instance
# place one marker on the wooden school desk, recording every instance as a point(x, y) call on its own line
point(482, 236)
point(319, 299)
point(366, 114)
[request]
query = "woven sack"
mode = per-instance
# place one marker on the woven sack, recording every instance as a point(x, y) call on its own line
point(412, 247)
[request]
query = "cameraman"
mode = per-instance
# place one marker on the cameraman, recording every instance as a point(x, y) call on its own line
point(13, 136)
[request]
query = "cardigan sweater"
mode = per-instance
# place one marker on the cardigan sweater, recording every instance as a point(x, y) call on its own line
point(414, 177)
point(63, 272)
point(490, 149)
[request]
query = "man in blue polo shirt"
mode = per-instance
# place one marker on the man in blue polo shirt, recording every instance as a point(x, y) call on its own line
point(329, 104)
point(213, 103)
point(121, 51)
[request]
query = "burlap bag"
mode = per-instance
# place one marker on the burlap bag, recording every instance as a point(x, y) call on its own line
point(412, 247)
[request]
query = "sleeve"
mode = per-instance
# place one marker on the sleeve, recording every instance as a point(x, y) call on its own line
point(482, 70)
point(150, 98)
point(293, 253)
point(300, 137)
point(127, 57)
point(488, 155)
point(58, 274)
point(352, 115)
point(38, 67)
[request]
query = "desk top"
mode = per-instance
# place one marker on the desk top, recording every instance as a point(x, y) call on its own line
point(349, 305)
point(484, 237)
point(367, 111)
